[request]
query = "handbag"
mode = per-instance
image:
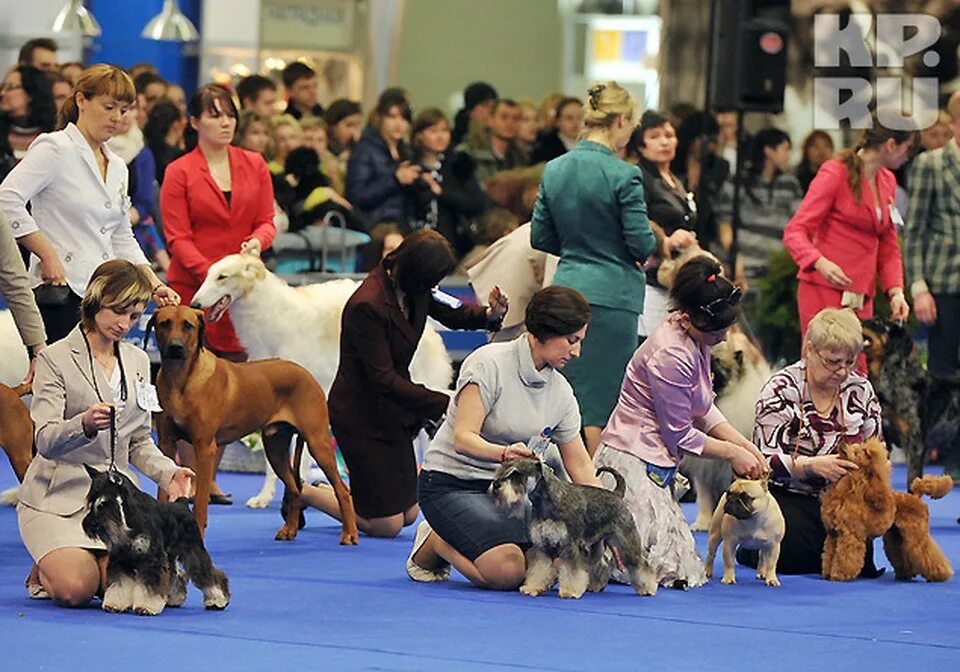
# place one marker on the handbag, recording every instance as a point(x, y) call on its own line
point(52, 296)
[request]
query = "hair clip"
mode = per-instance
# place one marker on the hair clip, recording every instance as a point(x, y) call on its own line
point(594, 94)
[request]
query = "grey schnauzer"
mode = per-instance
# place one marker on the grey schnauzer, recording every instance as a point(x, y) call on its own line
point(571, 526)
point(145, 540)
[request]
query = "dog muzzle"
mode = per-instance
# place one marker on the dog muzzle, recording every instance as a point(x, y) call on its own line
point(738, 505)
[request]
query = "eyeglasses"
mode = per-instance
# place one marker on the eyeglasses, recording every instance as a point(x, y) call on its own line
point(717, 305)
point(836, 365)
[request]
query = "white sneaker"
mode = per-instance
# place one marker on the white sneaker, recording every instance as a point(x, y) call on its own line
point(415, 571)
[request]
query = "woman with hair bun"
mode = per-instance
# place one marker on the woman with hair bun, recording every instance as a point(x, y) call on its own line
point(591, 213)
point(666, 410)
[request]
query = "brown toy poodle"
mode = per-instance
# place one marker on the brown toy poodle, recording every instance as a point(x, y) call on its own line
point(908, 544)
point(856, 509)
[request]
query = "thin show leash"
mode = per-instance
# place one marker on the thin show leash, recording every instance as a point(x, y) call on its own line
point(112, 469)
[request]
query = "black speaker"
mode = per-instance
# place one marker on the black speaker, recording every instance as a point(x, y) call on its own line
point(748, 54)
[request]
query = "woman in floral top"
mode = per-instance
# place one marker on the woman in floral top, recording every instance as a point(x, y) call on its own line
point(804, 413)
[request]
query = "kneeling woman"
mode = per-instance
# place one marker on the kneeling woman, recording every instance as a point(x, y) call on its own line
point(79, 381)
point(805, 412)
point(506, 394)
point(666, 410)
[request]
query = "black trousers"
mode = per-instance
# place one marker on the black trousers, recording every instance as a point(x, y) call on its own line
point(60, 320)
point(801, 551)
point(944, 335)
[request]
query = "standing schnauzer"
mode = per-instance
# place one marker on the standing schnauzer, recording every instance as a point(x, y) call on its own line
point(145, 540)
point(571, 524)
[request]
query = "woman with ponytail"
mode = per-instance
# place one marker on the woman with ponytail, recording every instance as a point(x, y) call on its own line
point(591, 212)
point(845, 232)
point(77, 190)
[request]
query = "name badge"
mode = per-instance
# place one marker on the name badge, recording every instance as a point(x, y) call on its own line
point(445, 299)
point(691, 202)
point(895, 216)
point(147, 398)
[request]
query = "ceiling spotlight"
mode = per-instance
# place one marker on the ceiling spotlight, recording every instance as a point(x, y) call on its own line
point(171, 25)
point(75, 18)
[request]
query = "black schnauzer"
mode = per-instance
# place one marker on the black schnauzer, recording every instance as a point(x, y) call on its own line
point(145, 540)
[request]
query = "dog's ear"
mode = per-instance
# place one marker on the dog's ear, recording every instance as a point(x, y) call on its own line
point(91, 471)
point(254, 269)
point(899, 341)
point(201, 328)
point(150, 325)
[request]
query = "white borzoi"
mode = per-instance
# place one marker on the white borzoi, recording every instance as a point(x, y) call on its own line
point(301, 324)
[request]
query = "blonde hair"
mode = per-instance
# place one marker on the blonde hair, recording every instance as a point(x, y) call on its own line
point(278, 120)
point(310, 123)
point(548, 106)
point(835, 329)
point(606, 102)
point(117, 285)
point(97, 80)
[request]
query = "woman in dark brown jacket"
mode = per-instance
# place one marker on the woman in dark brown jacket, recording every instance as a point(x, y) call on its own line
point(375, 409)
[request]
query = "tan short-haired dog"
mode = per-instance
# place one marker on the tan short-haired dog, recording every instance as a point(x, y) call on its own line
point(747, 515)
point(209, 401)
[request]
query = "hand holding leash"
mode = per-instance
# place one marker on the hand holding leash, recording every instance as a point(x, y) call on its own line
point(498, 304)
point(182, 484)
point(96, 418)
point(899, 309)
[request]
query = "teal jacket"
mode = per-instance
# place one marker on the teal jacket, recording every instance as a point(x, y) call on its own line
point(591, 212)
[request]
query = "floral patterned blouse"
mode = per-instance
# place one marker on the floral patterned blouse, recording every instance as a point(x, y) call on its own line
point(787, 423)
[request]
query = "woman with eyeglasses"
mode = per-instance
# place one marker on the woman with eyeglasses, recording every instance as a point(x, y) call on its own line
point(804, 414)
point(666, 410)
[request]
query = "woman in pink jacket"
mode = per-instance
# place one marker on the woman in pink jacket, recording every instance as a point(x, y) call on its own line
point(845, 232)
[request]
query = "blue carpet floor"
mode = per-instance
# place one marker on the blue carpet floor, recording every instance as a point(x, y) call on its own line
point(312, 604)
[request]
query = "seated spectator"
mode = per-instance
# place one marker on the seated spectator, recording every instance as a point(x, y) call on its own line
point(547, 114)
point(72, 71)
point(478, 101)
point(259, 94)
point(177, 96)
point(39, 53)
point(564, 135)
point(516, 190)
point(702, 170)
point(253, 132)
point(494, 148)
point(316, 136)
point(310, 194)
point(385, 237)
point(380, 171)
point(164, 135)
point(344, 126)
point(300, 81)
point(447, 196)
point(528, 129)
point(817, 148)
point(285, 136)
point(804, 413)
point(506, 394)
point(61, 88)
point(151, 89)
point(26, 110)
point(665, 411)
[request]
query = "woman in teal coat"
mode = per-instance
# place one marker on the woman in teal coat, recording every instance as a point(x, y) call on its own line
point(591, 212)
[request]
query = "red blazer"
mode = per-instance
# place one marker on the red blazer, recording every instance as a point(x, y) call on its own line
point(830, 223)
point(202, 228)
point(372, 394)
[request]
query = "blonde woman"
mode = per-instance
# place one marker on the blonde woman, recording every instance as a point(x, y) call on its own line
point(286, 135)
point(603, 260)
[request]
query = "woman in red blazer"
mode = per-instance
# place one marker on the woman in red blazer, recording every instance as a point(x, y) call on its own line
point(845, 231)
point(215, 200)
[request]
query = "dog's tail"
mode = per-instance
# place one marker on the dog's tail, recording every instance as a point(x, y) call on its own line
point(621, 484)
point(23, 389)
point(934, 487)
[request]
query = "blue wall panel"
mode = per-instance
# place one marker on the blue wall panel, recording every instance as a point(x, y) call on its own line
point(122, 22)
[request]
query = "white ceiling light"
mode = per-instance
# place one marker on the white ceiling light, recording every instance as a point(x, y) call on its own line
point(171, 24)
point(75, 18)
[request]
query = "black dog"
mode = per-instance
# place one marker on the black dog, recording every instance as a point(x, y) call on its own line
point(921, 412)
point(145, 540)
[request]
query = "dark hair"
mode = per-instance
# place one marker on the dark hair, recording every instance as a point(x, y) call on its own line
point(246, 119)
point(251, 87)
point(563, 102)
point(700, 291)
point(556, 311)
point(389, 100)
point(508, 102)
point(97, 80)
point(650, 120)
point(162, 116)
point(339, 110)
point(378, 237)
point(295, 72)
point(145, 79)
point(871, 138)
point(426, 118)
point(423, 259)
point(38, 85)
point(203, 100)
point(765, 138)
point(811, 138)
point(26, 51)
point(698, 126)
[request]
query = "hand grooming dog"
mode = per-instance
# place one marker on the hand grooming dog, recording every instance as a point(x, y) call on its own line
point(299, 324)
point(146, 540)
point(209, 401)
point(747, 515)
point(572, 524)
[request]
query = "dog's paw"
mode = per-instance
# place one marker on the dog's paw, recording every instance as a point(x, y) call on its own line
point(260, 501)
point(532, 591)
point(728, 579)
point(177, 592)
point(10, 496)
point(568, 594)
point(286, 533)
point(708, 570)
point(151, 605)
point(349, 538)
point(118, 597)
point(772, 581)
point(215, 598)
point(701, 524)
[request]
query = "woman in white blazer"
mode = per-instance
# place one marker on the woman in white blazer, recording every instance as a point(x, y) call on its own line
point(78, 380)
point(77, 190)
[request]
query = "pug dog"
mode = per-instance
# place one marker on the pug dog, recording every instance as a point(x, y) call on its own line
point(747, 515)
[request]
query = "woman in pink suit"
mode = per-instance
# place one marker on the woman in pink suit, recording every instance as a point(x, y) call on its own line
point(845, 232)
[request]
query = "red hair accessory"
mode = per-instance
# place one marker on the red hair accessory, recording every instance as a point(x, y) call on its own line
point(712, 277)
